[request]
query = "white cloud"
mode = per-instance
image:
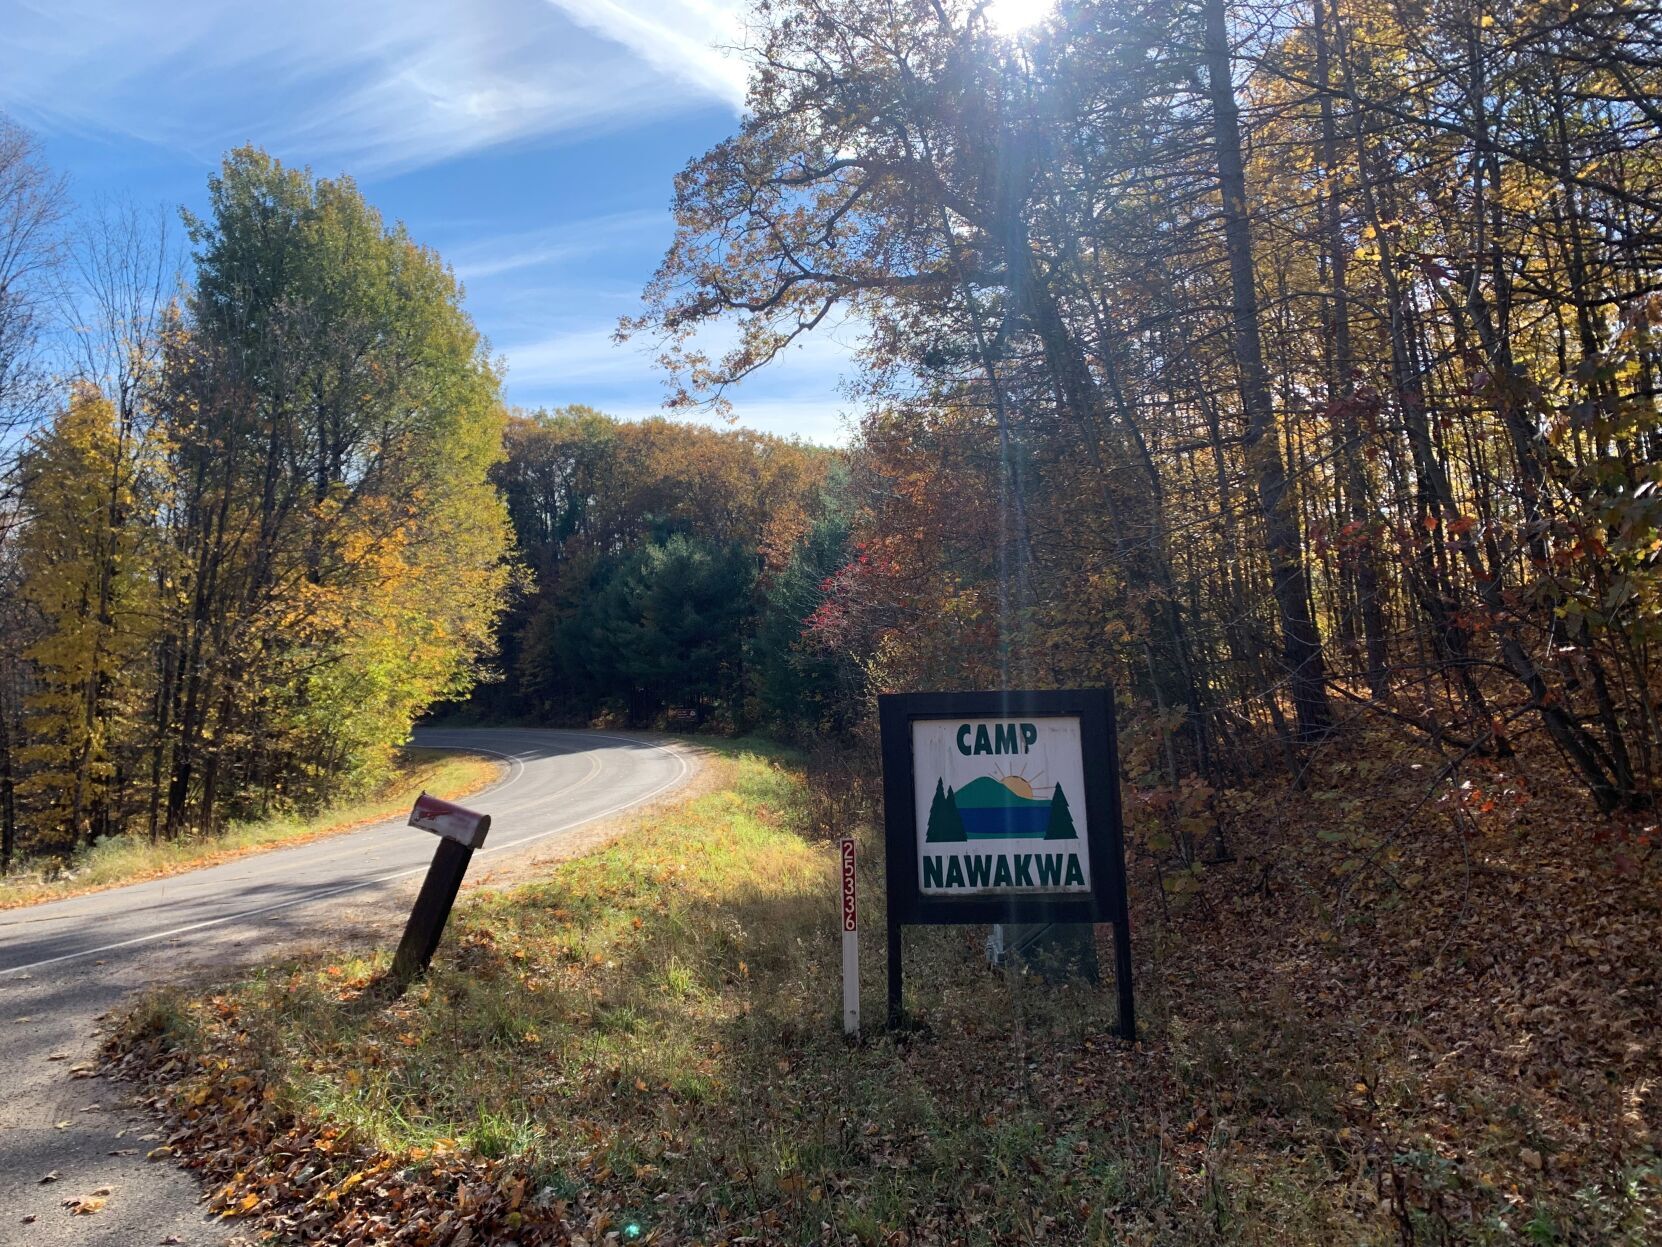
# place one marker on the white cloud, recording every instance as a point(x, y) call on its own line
point(588, 353)
point(376, 84)
point(798, 394)
point(688, 39)
point(569, 240)
point(577, 357)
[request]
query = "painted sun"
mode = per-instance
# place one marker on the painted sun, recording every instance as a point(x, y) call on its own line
point(1033, 786)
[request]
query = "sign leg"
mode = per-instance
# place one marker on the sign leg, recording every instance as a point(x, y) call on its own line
point(1122, 978)
point(851, 983)
point(431, 912)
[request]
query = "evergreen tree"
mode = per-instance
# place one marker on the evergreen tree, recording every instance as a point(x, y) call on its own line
point(801, 686)
point(1060, 826)
point(946, 824)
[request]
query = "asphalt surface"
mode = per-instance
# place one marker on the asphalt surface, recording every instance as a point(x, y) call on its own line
point(64, 964)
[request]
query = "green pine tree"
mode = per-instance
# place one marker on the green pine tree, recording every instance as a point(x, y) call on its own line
point(954, 820)
point(1061, 818)
point(946, 825)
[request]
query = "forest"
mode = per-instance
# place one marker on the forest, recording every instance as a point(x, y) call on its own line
point(1285, 368)
point(1290, 369)
point(228, 510)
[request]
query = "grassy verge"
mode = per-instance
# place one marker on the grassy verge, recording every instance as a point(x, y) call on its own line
point(128, 859)
point(650, 1038)
point(645, 1047)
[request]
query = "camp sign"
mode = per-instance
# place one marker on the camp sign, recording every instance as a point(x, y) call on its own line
point(998, 820)
point(1003, 807)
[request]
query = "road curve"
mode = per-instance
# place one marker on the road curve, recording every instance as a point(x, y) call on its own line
point(556, 781)
point(67, 1134)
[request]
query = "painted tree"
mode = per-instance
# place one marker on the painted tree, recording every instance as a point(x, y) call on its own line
point(1060, 826)
point(946, 823)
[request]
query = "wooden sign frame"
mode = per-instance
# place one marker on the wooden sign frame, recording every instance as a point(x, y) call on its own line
point(1105, 901)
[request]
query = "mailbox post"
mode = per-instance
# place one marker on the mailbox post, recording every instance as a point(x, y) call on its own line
point(461, 831)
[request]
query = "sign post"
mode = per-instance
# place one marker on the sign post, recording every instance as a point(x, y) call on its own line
point(461, 831)
point(1003, 807)
point(851, 941)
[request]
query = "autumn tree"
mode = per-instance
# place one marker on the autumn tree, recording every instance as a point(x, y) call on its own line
point(340, 551)
point(1256, 362)
point(32, 212)
point(261, 540)
point(656, 551)
point(82, 555)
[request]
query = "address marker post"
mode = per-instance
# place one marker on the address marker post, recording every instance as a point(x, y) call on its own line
point(851, 942)
point(461, 830)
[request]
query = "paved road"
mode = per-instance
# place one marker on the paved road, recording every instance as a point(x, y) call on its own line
point(64, 963)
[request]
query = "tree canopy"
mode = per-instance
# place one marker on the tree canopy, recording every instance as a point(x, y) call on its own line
point(1259, 364)
point(251, 574)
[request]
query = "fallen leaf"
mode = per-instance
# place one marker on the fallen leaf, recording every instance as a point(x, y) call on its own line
point(51, 1177)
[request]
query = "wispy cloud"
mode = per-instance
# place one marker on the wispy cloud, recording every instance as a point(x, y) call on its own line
point(380, 85)
point(688, 39)
point(557, 244)
point(799, 394)
point(588, 352)
point(576, 357)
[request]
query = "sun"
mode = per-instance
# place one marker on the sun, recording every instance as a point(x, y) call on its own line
point(1007, 17)
point(1031, 787)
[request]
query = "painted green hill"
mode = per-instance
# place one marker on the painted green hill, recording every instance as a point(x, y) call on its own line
point(989, 794)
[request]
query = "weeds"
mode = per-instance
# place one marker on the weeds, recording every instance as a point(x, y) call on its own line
point(651, 1036)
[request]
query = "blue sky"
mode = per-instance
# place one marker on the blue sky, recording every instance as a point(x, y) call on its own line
point(533, 142)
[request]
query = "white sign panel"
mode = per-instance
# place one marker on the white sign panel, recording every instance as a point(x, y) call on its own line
point(1000, 806)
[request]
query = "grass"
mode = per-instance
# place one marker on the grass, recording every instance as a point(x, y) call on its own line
point(128, 859)
point(650, 1037)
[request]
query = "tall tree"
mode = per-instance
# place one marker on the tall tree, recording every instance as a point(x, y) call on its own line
point(81, 556)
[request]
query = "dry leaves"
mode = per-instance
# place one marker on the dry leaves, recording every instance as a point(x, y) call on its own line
point(1470, 1034)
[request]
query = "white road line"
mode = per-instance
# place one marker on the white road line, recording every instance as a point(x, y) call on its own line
point(681, 773)
point(516, 771)
point(682, 768)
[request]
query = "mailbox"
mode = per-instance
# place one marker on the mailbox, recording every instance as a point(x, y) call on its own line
point(453, 822)
point(461, 830)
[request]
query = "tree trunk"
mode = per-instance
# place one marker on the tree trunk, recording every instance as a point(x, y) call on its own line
point(1341, 400)
point(1301, 641)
